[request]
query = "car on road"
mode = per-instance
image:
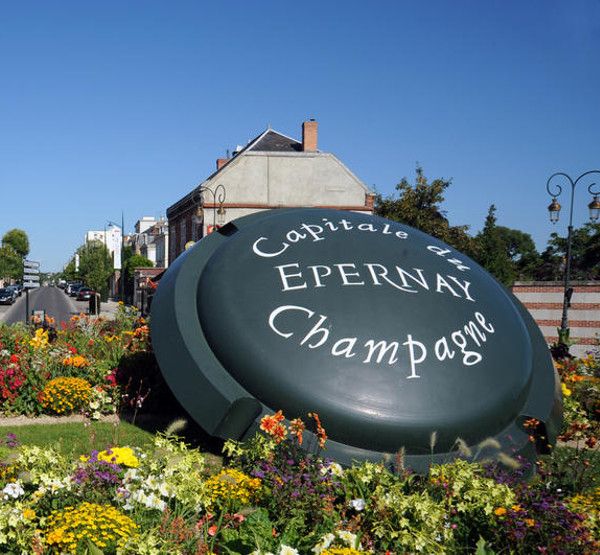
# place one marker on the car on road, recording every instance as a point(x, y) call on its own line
point(16, 289)
point(74, 289)
point(7, 296)
point(84, 293)
point(70, 285)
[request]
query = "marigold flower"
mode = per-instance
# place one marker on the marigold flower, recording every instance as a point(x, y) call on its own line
point(500, 511)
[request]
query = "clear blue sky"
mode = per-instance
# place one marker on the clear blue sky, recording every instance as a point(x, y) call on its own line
point(124, 106)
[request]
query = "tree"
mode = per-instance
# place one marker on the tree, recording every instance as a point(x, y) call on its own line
point(585, 255)
point(419, 206)
point(131, 262)
point(491, 252)
point(95, 266)
point(11, 264)
point(18, 240)
point(506, 253)
point(521, 251)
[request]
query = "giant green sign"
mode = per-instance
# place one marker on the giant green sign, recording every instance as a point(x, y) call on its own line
point(387, 333)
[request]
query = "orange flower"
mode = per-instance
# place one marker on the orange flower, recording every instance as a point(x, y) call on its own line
point(320, 430)
point(500, 511)
point(529, 521)
point(271, 424)
point(297, 428)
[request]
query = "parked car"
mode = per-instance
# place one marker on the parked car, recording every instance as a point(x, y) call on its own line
point(7, 296)
point(84, 293)
point(74, 288)
point(16, 290)
point(70, 285)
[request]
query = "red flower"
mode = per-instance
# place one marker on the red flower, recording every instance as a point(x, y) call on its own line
point(14, 359)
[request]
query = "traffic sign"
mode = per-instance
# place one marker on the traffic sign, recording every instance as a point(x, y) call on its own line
point(31, 264)
point(31, 284)
point(31, 277)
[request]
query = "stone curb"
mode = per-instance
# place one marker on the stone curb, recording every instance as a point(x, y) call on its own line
point(32, 420)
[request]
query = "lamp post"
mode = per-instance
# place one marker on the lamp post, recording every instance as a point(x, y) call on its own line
point(218, 197)
point(554, 211)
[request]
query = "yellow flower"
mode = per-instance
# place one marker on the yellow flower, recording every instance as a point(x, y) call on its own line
point(74, 393)
point(565, 390)
point(28, 514)
point(530, 522)
point(40, 339)
point(500, 511)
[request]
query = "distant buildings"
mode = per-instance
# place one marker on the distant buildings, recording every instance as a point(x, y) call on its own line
point(151, 240)
point(112, 239)
point(271, 171)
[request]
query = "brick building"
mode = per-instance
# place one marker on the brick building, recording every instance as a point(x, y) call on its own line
point(271, 171)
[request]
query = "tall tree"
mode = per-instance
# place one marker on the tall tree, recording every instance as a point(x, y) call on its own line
point(585, 255)
point(521, 251)
point(492, 253)
point(419, 206)
point(11, 264)
point(18, 240)
point(95, 266)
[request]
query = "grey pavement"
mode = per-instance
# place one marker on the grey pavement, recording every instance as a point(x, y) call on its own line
point(56, 304)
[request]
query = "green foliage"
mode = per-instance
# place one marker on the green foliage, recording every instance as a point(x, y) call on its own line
point(585, 255)
point(95, 266)
point(11, 264)
point(419, 206)
point(136, 261)
point(508, 254)
point(18, 240)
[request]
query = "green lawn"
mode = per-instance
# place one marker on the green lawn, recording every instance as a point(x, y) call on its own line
point(74, 439)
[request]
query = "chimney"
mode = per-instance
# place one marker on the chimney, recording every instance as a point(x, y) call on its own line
point(221, 162)
point(309, 135)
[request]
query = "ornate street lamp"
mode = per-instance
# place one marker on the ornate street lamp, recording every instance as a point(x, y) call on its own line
point(218, 198)
point(554, 212)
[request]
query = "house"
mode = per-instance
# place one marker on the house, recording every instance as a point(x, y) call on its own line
point(151, 239)
point(271, 171)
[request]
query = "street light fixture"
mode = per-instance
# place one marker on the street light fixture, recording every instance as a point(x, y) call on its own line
point(554, 212)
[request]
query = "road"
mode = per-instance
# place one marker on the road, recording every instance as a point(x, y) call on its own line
point(51, 299)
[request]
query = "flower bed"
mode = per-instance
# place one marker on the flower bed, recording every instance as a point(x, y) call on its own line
point(270, 495)
point(70, 370)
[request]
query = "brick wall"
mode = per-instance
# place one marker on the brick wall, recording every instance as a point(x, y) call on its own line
point(544, 300)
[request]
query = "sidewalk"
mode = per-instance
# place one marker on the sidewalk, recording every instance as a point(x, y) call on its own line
point(108, 309)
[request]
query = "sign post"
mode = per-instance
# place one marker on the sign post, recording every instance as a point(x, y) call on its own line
point(31, 280)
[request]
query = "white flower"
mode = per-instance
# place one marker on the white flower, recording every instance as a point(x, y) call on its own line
point(358, 504)
point(333, 468)
point(348, 538)
point(13, 489)
point(324, 543)
point(287, 550)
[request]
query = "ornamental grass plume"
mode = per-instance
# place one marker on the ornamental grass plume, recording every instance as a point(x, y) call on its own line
point(65, 395)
